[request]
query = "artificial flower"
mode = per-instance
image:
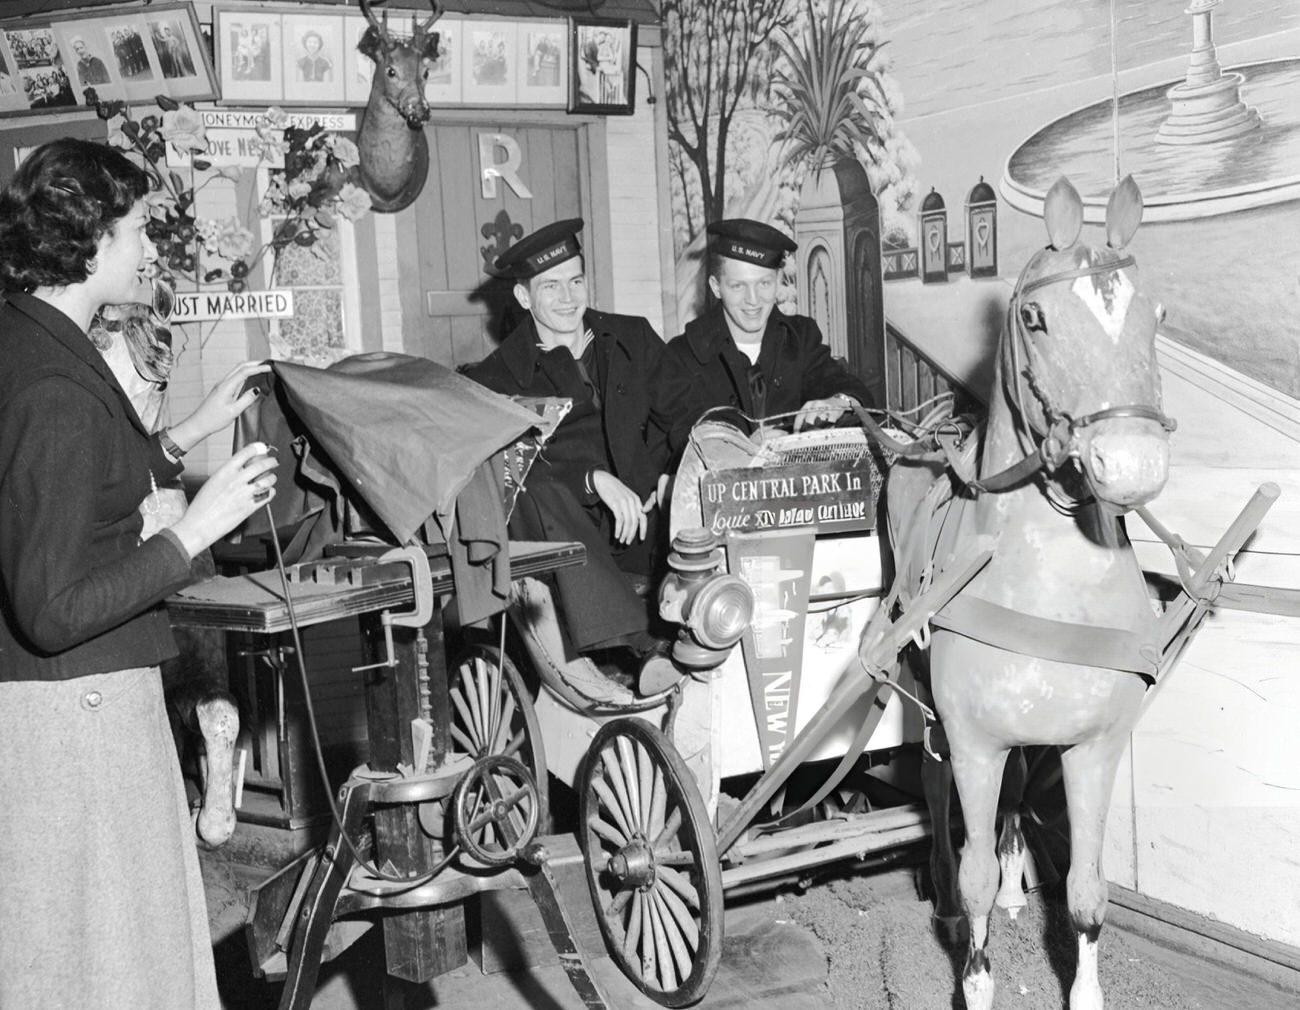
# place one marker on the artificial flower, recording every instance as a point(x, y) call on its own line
point(183, 129)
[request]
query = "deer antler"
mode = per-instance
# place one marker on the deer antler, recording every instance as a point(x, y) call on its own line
point(438, 11)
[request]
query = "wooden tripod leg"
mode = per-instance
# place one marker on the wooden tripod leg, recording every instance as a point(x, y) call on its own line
point(316, 912)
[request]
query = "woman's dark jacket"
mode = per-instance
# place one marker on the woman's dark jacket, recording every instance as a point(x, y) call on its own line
point(79, 592)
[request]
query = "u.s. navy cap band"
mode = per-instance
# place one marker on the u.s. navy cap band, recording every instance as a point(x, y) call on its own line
point(548, 246)
point(750, 241)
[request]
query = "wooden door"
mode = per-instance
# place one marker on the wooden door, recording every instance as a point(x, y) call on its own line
point(453, 311)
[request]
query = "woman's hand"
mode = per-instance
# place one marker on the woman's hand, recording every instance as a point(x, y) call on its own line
point(228, 497)
point(225, 402)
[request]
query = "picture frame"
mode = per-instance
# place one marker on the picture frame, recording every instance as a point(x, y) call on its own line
point(444, 84)
point(313, 60)
point(48, 62)
point(543, 63)
point(602, 60)
point(489, 62)
point(359, 71)
point(250, 60)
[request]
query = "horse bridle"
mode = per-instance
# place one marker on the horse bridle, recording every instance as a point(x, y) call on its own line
point(1059, 441)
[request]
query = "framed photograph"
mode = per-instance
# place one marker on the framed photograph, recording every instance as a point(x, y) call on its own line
point(543, 63)
point(489, 55)
point(312, 57)
point(603, 58)
point(250, 60)
point(358, 70)
point(49, 61)
point(443, 86)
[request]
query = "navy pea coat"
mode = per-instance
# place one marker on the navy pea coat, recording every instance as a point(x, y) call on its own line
point(624, 435)
point(705, 369)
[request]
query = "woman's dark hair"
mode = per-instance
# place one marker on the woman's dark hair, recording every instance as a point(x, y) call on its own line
point(64, 196)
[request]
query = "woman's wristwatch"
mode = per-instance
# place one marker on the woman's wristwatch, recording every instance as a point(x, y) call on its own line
point(171, 448)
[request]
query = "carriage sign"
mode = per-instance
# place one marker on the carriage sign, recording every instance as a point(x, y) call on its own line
point(832, 496)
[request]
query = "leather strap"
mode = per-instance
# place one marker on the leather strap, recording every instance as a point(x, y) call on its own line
point(1043, 638)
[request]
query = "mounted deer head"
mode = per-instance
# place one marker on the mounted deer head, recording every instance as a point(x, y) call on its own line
point(394, 150)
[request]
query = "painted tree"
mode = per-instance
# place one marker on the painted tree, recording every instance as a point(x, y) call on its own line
point(835, 99)
point(717, 57)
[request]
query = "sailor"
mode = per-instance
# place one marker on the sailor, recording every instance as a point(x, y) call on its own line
point(742, 354)
point(597, 479)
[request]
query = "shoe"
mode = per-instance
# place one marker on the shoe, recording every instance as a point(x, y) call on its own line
point(657, 672)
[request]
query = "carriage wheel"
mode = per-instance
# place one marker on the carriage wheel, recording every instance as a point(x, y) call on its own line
point(652, 862)
point(492, 713)
point(495, 806)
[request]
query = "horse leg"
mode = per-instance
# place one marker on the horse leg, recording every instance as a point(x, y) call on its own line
point(208, 711)
point(936, 782)
point(1011, 842)
point(1089, 776)
point(977, 769)
point(218, 722)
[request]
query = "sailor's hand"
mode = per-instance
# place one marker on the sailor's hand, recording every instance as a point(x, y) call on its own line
point(828, 410)
point(624, 504)
point(658, 496)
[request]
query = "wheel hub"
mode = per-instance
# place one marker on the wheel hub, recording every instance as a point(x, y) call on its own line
point(633, 865)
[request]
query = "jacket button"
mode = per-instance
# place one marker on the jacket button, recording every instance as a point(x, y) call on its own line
point(735, 401)
point(92, 700)
point(622, 389)
point(776, 381)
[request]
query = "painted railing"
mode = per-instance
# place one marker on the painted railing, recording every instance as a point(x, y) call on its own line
point(912, 378)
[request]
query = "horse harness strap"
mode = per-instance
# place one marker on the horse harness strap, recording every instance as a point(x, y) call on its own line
point(1045, 638)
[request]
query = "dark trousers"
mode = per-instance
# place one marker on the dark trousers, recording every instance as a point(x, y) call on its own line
point(597, 601)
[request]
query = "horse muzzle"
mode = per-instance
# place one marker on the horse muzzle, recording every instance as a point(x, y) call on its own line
point(1126, 463)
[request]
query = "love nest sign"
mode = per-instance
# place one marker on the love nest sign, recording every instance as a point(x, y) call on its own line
point(833, 496)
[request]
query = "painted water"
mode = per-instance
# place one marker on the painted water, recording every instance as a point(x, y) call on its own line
point(950, 53)
point(1080, 145)
point(989, 87)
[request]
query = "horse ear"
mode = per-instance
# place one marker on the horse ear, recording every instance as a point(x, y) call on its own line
point(1063, 214)
point(1123, 213)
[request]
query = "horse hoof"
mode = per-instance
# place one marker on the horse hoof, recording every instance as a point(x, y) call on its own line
point(1012, 903)
point(218, 722)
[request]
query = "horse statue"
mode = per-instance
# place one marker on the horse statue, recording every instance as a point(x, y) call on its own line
point(1052, 643)
point(394, 152)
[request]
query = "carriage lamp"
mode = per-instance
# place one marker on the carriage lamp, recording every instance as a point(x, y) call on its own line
point(712, 606)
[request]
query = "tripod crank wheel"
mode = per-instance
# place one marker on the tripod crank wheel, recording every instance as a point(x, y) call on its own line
point(496, 810)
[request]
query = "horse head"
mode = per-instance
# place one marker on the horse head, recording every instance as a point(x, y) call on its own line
point(1078, 361)
point(394, 153)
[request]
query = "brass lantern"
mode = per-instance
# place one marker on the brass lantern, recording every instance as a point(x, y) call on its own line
point(933, 238)
point(982, 231)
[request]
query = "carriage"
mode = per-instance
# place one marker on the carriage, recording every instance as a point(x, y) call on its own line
point(758, 523)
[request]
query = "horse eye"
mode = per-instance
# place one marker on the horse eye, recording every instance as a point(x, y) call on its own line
point(1032, 317)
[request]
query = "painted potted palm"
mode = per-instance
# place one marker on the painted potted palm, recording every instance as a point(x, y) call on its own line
point(830, 95)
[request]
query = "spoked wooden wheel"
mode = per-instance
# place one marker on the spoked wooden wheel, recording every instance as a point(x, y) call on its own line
point(492, 713)
point(652, 862)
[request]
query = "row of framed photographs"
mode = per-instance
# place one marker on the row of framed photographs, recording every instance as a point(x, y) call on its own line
point(304, 56)
point(290, 57)
point(47, 63)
